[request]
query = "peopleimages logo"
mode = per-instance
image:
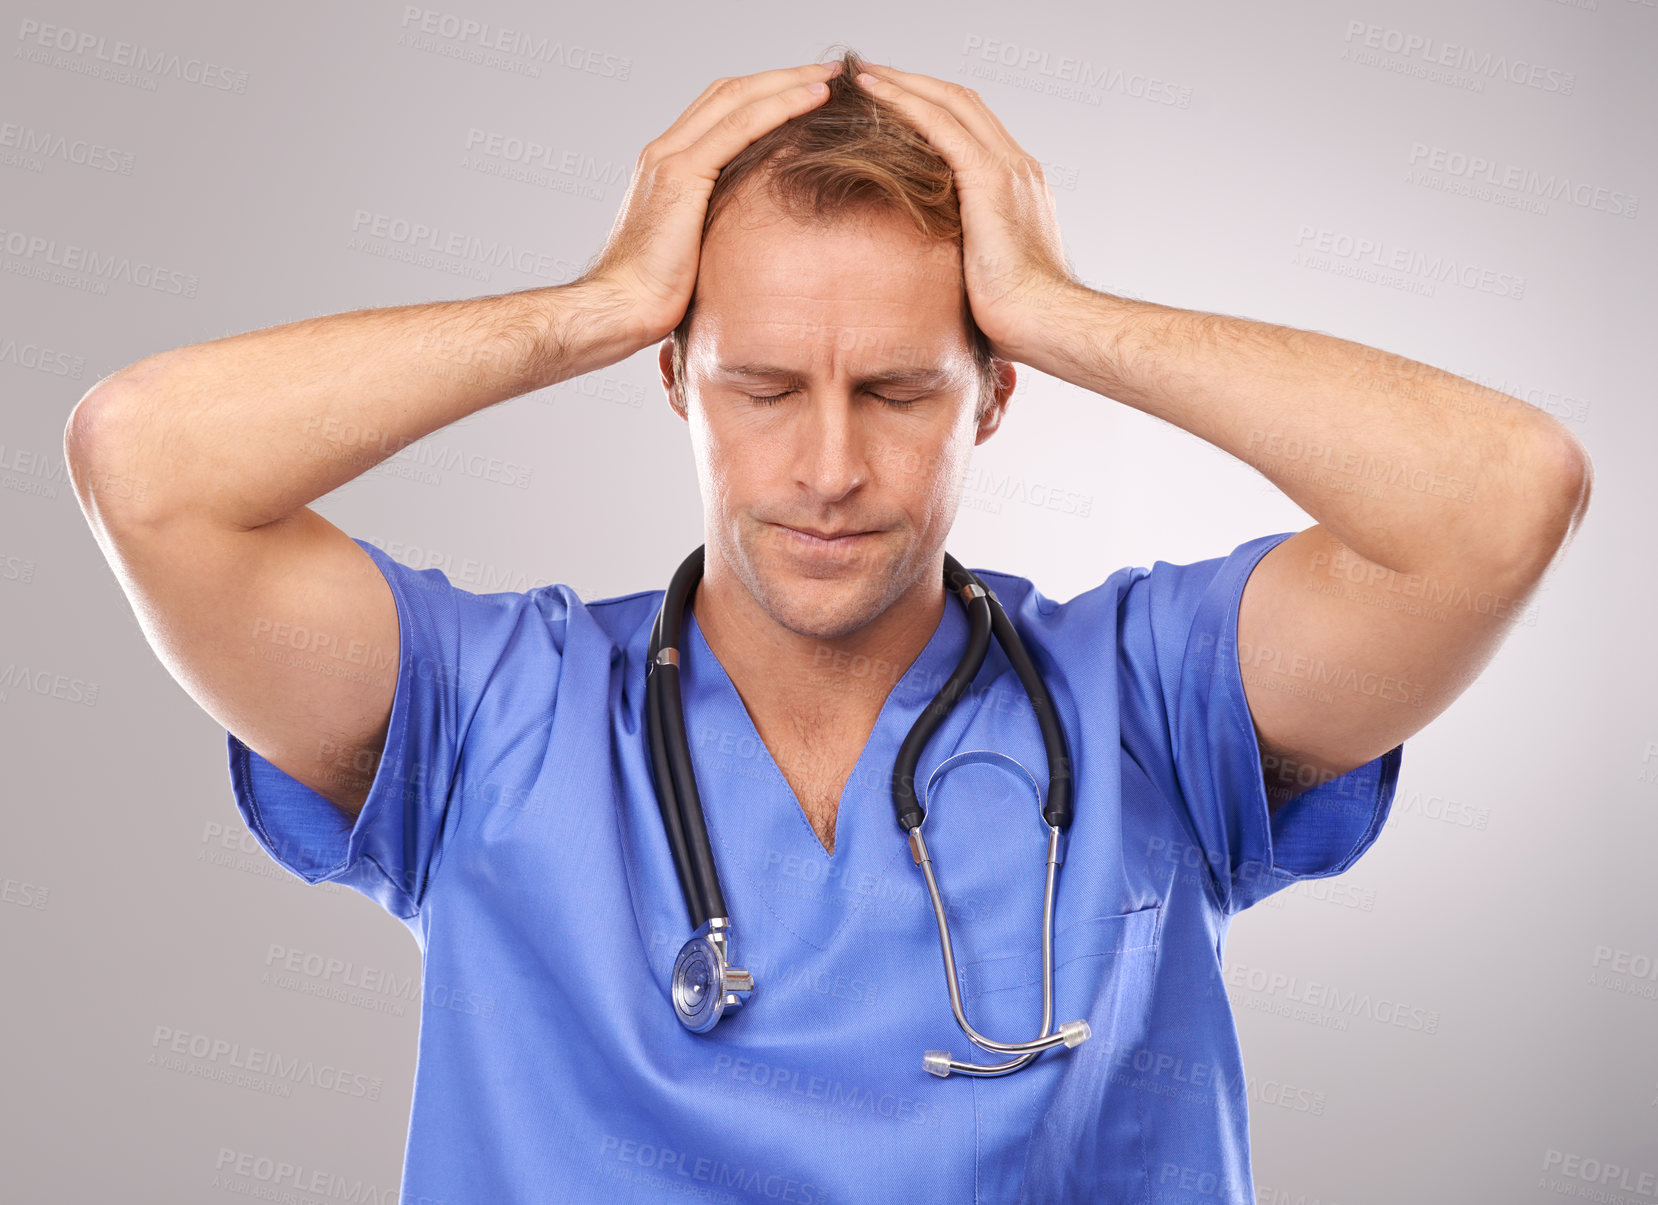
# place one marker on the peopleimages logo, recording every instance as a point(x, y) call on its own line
point(1378, 256)
point(218, 1058)
point(480, 37)
point(681, 1171)
point(36, 251)
point(1597, 1171)
point(369, 227)
point(28, 141)
point(833, 1094)
point(38, 40)
point(1087, 80)
point(277, 1179)
point(1477, 63)
point(42, 359)
point(1325, 996)
point(1547, 186)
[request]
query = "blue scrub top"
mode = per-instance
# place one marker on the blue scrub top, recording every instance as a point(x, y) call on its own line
point(513, 827)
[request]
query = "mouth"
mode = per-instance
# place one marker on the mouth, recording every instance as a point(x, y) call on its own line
point(825, 540)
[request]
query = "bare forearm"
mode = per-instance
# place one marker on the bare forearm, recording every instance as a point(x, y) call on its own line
point(1412, 467)
point(246, 430)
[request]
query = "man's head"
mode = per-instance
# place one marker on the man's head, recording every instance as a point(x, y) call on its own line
point(830, 279)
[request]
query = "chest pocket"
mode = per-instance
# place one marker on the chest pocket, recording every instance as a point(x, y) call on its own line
point(1060, 1129)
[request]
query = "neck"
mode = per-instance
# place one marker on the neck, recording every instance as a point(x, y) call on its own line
point(781, 671)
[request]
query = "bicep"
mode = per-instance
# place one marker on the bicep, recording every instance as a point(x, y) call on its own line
point(286, 634)
point(1343, 659)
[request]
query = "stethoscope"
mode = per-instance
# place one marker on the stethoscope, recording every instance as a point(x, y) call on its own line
point(705, 983)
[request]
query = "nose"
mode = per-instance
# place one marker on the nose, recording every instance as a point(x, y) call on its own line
point(832, 452)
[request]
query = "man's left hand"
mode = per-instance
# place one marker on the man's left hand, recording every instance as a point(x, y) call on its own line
point(1013, 261)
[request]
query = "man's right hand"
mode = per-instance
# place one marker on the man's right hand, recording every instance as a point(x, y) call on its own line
point(194, 466)
point(649, 262)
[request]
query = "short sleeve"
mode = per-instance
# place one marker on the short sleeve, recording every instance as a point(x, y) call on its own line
point(1187, 722)
point(456, 649)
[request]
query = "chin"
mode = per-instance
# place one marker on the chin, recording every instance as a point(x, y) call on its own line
point(824, 623)
point(824, 604)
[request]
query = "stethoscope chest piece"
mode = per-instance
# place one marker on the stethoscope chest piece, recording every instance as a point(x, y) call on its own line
point(705, 984)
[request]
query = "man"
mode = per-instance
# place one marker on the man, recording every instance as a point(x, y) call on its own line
point(840, 284)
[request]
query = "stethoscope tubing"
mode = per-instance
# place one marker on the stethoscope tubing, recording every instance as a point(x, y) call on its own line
point(687, 831)
point(671, 754)
point(939, 1062)
point(985, 618)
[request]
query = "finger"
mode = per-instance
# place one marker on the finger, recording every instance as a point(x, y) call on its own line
point(966, 153)
point(773, 80)
point(720, 143)
point(723, 96)
point(965, 104)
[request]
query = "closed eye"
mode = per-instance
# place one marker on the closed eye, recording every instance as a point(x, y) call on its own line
point(773, 399)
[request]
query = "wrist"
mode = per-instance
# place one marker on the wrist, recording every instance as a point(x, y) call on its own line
point(1086, 335)
point(1060, 330)
point(580, 327)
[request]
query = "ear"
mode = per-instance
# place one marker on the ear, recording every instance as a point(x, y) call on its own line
point(1006, 377)
point(665, 361)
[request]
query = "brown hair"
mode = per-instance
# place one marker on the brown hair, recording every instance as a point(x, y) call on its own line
point(852, 154)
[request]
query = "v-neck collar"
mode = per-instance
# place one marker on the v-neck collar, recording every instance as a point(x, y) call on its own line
point(768, 856)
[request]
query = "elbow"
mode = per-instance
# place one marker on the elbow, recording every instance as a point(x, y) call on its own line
point(86, 430)
point(1566, 478)
point(1559, 481)
point(89, 421)
point(1583, 483)
point(99, 447)
point(85, 420)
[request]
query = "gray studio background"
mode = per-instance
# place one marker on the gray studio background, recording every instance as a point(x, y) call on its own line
point(1269, 162)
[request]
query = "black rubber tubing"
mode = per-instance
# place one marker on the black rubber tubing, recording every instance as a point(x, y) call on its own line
point(986, 617)
point(681, 807)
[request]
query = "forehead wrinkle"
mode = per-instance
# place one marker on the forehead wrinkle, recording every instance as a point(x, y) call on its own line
point(782, 318)
point(933, 377)
point(812, 313)
point(889, 280)
point(913, 376)
point(897, 354)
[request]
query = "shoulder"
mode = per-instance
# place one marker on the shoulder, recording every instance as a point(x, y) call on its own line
point(1023, 600)
point(1138, 602)
point(1138, 586)
point(612, 623)
point(456, 596)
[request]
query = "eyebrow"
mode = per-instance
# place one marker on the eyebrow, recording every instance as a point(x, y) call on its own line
point(933, 378)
